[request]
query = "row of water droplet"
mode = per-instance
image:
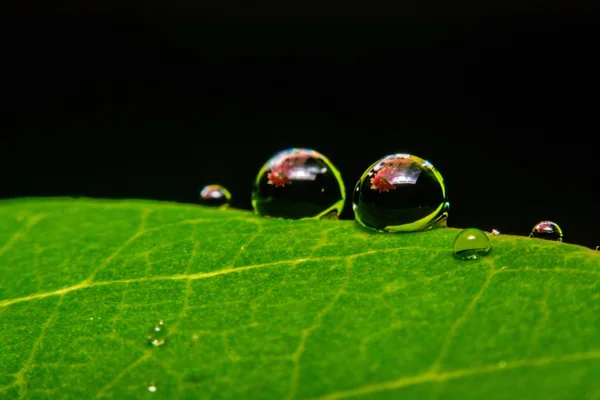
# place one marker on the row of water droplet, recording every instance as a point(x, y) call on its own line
point(397, 193)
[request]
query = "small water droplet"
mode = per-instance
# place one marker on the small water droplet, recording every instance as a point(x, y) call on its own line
point(298, 183)
point(152, 388)
point(215, 196)
point(547, 230)
point(495, 232)
point(195, 336)
point(400, 193)
point(502, 364)
point(471, 244)
point(157, 335)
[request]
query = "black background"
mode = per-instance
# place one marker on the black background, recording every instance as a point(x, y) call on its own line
point(157, 103)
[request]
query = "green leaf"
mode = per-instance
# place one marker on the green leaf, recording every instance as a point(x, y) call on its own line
point(276, 309)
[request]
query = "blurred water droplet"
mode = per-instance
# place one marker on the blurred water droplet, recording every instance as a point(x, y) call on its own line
point(400, 193)
point(195, 336)
point(215, 196)
point(152, 388)
point(471, 244)
point(157, 335)
point(495, 232)
point(597, 248)
point(547, 230)
point(502, 364)
point(298, 183)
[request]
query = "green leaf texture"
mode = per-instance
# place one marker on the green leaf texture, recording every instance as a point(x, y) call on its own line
point(278, 309)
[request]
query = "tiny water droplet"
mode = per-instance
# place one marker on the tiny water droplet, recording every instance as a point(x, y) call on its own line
point(502, 364)
point(495, 232)
point(215, 196)
point(400, 193)
point(195, 336)
point(298, 183)
point(547, 230)
point(152, 388)
point(157, 335)
point(471, 244)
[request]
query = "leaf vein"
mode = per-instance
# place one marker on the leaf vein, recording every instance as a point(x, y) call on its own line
point(431, 376)
point(20, 376)
point(139, 232)
point(31, 222)
point(102, 392)
point(447, 343)
point(315, 324)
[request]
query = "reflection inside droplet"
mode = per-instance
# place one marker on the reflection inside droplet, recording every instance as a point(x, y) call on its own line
point(547, 230)
point(215, 196)
point(400, 193)
point(298, 183)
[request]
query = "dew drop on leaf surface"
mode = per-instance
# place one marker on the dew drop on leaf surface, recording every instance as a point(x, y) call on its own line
point(400, 193)
point(215, 196)
point(152, 388)
point(471, 244)
point(547, 230)
point(298, 183)
point(157, 335)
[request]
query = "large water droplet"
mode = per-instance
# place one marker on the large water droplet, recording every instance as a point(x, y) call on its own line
point(298, 183)
point(157, 335)
point(401, 193)
point(471, 244)
point(215, 196)
point(547, 230)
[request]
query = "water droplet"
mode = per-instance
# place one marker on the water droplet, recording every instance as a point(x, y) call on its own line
point(215, 196)
point(597, 248)
point(152, 388)
point(502, 364)
point(471, 244)
point(401, 193)
point(547, 230)
point(298, 183)
point(495, 232)
point(157, 335)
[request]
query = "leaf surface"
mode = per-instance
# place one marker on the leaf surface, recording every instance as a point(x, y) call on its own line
point(276, 309)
